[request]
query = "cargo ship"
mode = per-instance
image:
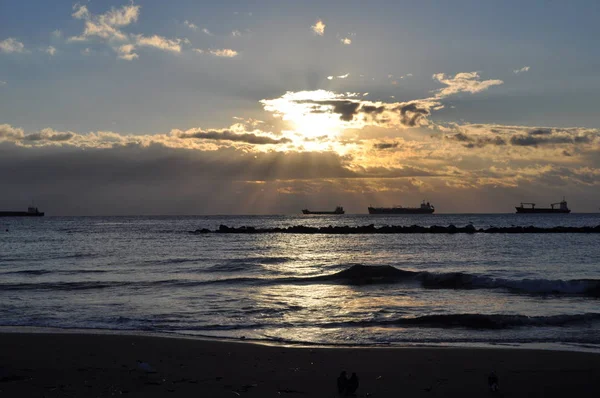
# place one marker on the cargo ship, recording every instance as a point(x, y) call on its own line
point(338, 210)
point(425, 208)
point(529, 208)
point(31, 212)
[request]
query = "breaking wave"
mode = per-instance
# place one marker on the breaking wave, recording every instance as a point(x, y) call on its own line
point(362, 275)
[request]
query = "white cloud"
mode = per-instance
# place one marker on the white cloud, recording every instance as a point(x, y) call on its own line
point(225, 52)
point(346, 41)
point(319, 28)
point(80, 12)
point(222, 52)
point(57, 34)
point(12, 45)
point(8, 132)
point(101, 30)
point(523, 69)
point(159, 42)
point(236, 33)
point(107, 27)
point(50, 50)
point(122, 16)
point(190, 25)
point(463, 82)
point(338, 77)
point(206, 31)
point(126, 52)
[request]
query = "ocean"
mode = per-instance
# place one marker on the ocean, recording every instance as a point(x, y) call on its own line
point(150, 274)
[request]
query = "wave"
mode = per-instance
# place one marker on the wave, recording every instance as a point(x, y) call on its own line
point(228, 267)
point(476, 321)
point(56, 286)
point(171, 261)
point(34, 272)
point(245, 264)
point(355, 275)
point(89, 285)
point(273, 260)
point(381, 274)
point(37, 272)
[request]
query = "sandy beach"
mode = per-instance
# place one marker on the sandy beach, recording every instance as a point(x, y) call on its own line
point(91, 365)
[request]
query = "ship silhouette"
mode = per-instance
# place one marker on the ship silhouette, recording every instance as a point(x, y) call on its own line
point(529, 208)
point(425, 208)
point(338, 210)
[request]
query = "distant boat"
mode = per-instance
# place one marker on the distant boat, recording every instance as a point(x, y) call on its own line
point(425, 208)
point(529, 208)
point(31, 212)
point(338, 210)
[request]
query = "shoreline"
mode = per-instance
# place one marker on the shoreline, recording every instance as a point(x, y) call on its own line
point(86, 364)
point(537, 346)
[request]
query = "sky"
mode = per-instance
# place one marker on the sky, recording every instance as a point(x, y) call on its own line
point(269, 107)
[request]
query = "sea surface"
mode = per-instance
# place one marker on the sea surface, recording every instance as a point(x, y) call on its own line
point(150, 274)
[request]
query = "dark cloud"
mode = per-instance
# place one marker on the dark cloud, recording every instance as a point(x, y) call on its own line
point(137, 179)
point(412, 114)
point(535, 140)
point(478, 141)
point(532, 138)
point(372, 109)
point(345, 108)
point(548, 136)
point(526, 140)
point(582, 139)
point(226, 135)
point(134, 179)
point(540, 132)
point(462, 137)
point(43, 136)
point(134, 163)
point(385, 145)
point(498, 141)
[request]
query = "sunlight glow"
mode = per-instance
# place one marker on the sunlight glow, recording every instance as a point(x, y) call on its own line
point(308, 119)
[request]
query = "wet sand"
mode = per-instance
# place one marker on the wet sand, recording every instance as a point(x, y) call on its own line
point(92, 365)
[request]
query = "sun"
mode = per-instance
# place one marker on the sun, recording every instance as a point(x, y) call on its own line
point(308, 113)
